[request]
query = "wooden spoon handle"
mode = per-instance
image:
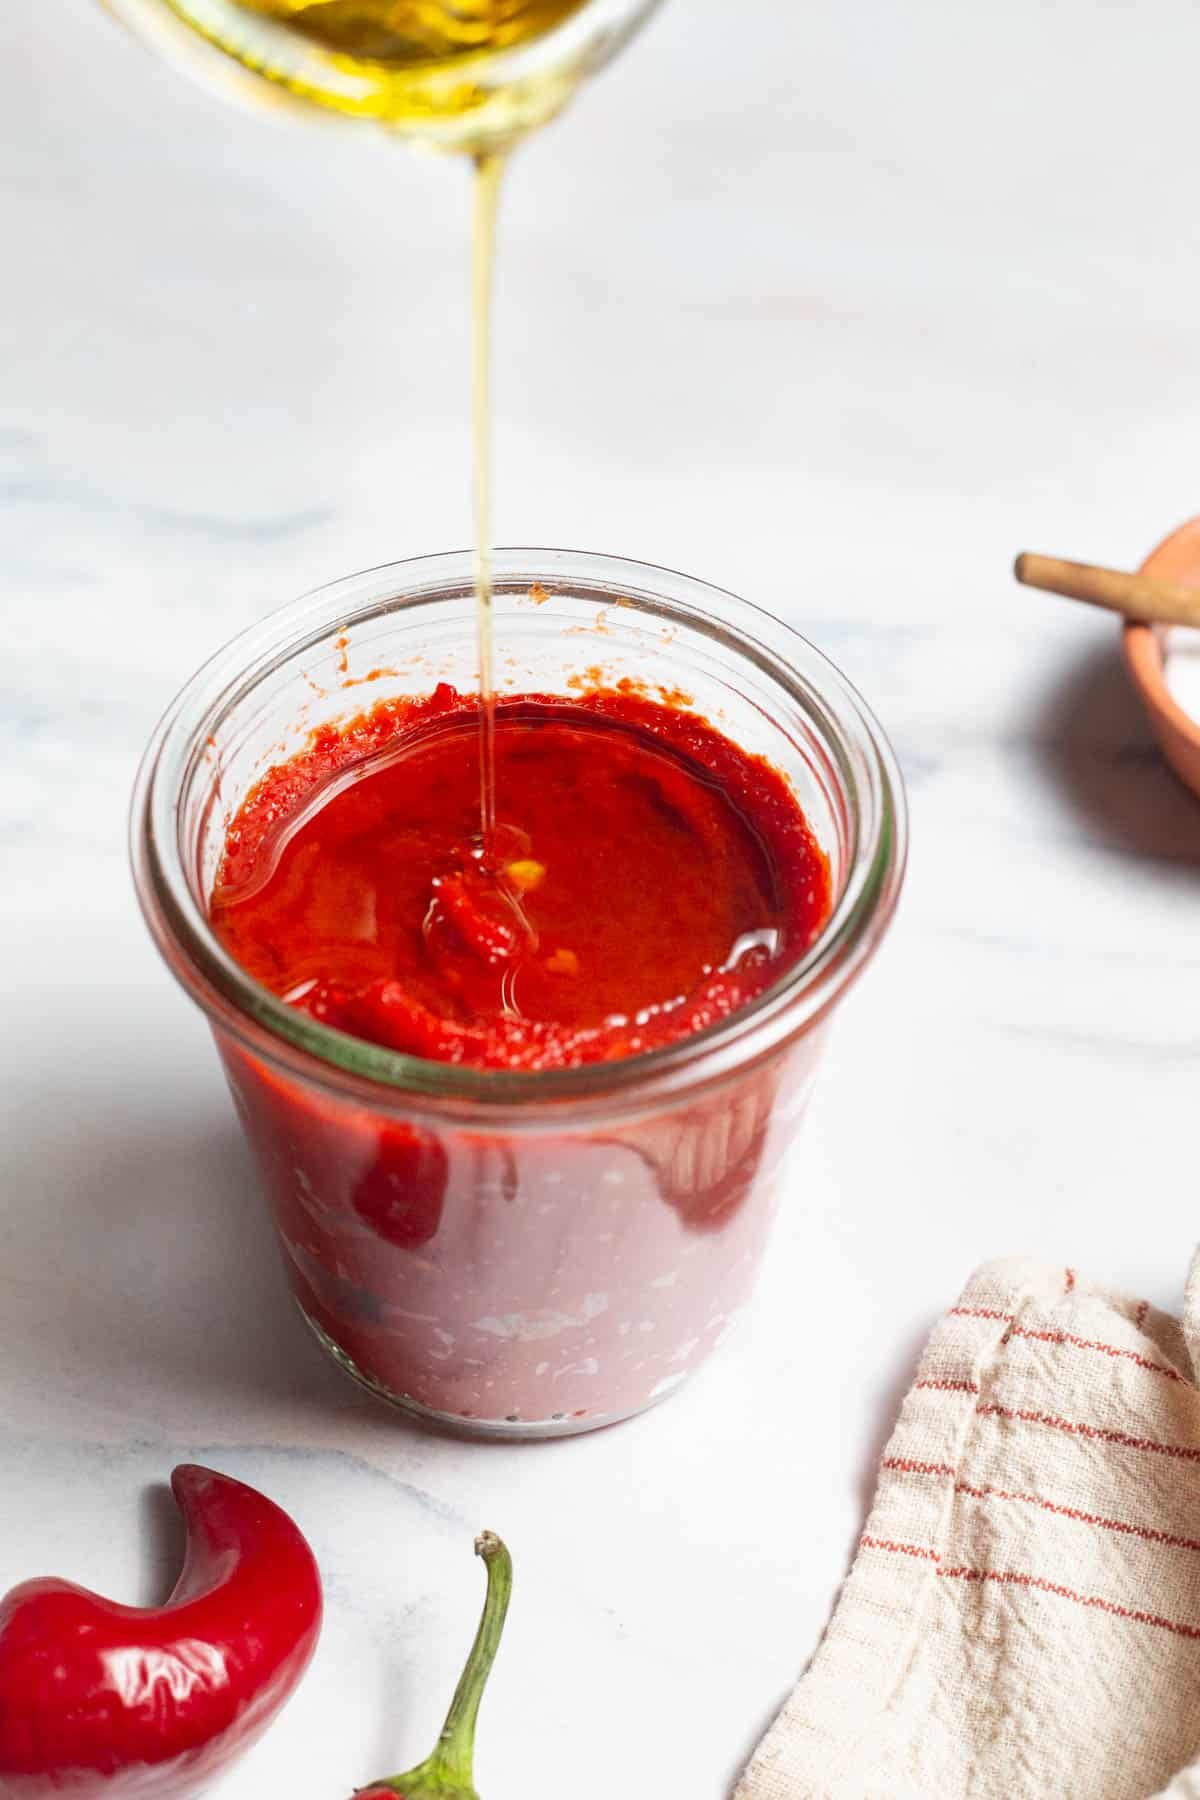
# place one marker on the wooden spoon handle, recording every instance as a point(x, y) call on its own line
point(1137, 596)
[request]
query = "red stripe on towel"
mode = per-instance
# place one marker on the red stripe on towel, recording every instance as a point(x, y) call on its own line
point(1148, 1532)
point(1038, 1583)
point(1181, 1452)
point(1016, 1578)
point(921, 1551)
point(907, 1467)
point(1078, 1343)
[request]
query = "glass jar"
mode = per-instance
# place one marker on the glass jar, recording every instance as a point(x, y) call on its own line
point(467, 75)
point(519, 1254)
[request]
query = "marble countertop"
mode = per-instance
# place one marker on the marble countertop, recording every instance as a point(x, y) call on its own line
point(839, 312)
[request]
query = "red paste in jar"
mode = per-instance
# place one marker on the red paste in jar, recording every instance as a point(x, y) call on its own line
point(647, 878)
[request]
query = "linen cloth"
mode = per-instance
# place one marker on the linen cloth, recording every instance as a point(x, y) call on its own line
point(1022, 1619)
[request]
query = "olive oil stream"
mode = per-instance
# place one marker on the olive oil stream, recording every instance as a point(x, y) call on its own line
point(489, 172)
point(435, 71)
point(402, 38)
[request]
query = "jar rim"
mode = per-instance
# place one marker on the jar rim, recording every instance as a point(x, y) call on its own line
point(371, 1074)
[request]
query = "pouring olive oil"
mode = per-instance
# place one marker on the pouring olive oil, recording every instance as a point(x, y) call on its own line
point(473, 76)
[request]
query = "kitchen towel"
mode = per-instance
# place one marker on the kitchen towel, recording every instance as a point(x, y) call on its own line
point(1022, 1620)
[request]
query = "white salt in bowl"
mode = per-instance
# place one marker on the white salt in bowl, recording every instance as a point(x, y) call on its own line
point(1164, 662)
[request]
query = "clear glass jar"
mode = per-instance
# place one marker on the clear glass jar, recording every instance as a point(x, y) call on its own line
point(466, 75)
point(572, 1244)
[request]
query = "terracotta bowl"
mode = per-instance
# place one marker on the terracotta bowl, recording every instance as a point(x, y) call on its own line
point(1177, 558)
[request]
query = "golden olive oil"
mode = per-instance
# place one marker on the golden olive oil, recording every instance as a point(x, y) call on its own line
point(403, 32)
point(441, 73)
point(488, 172)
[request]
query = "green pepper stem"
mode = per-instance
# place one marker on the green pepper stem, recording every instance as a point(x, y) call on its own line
point(449, 1772)
point(454, 1758)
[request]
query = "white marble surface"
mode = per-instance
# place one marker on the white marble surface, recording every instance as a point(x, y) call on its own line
point(840, 316)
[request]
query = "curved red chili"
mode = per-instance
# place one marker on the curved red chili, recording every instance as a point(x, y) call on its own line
point(98, 1699)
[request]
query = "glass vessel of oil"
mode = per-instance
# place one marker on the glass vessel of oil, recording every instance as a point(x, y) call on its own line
point(466, 75)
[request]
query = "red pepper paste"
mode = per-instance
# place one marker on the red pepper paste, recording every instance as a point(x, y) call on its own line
point(646, 879)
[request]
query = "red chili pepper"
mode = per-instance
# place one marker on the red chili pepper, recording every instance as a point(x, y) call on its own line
point(99, 1700)
point(449, 1773)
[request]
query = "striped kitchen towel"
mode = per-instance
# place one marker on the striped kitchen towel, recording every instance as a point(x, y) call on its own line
point(1022, 1620)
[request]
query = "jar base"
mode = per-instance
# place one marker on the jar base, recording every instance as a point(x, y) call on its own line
point(509, 1430)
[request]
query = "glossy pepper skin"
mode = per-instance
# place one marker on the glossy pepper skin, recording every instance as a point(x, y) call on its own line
point(448, 1774)
point(108, 1701)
